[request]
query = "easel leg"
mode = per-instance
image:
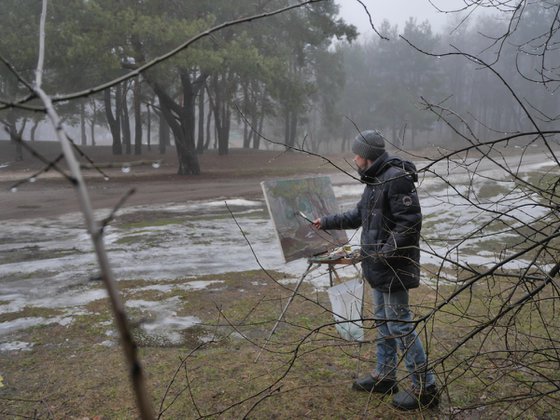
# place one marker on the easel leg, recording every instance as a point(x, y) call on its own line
point(332, 271)
point(285, 309)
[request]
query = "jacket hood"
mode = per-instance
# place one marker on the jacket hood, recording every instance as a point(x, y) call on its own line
point(385, 162)
point(368, 175)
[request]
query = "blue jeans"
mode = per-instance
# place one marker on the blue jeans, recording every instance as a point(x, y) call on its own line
point(393, 306)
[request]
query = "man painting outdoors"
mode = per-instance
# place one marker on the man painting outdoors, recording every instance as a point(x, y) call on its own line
point(390, 216)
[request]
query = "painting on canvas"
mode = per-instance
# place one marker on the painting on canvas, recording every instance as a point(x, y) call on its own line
point(292, 204)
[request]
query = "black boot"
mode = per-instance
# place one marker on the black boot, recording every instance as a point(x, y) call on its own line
point(370, 383)
point(417, 398)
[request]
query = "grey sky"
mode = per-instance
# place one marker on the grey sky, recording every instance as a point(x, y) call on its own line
point(396, 11)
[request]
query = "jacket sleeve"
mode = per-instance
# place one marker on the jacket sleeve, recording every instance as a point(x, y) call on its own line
point(405, 216)
point(351, 219)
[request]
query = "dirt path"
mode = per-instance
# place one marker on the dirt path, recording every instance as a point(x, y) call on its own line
point(236, 175)
point(54, 200)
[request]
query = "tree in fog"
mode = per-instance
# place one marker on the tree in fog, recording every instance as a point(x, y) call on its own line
point(265, 69)
point(17, 27)
point(386, 80)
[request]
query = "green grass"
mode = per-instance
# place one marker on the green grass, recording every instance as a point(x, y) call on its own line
point(492, 189)
point(152, 223)
point(30, 312)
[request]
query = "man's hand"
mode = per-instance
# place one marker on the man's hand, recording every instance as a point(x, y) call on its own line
point(317, 223)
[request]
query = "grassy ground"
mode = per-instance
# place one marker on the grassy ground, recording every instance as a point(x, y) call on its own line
point(304, 372)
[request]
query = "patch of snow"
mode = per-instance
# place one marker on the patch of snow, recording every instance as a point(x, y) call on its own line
point(15, 346)
point(237, 202)
point(199, 284)
point(171, 323)
point(8, 327)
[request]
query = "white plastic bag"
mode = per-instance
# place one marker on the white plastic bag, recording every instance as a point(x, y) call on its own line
point(346, 300)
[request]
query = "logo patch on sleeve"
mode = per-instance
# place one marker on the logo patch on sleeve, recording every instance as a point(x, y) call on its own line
point(407, 200)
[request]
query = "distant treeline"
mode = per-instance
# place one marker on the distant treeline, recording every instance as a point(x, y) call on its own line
point(279, 78)
point(423, 88)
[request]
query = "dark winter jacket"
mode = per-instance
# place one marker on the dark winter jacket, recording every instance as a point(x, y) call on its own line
point(391, 219)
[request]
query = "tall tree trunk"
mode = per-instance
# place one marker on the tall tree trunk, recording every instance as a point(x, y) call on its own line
point(259, 118)
point(290, 127)
point(257, 134)
point(247, 135)
point(223, 137)
point(93, 121)
point(189, 159)
point(149, 127)
point(114, 121)
point(19, 149)
point(181, 121)
point(200, 140)
point(222, 113)
point(286, 127)
point(34, 130)
point(214, 104)
point(125, 119)
point(208, 128)
point(254, 135)
point(293, 128)
point(137, 117)
point(163, 133)
point(247, 132)
point(92, 132)
point(83, 136)
point(15, 134)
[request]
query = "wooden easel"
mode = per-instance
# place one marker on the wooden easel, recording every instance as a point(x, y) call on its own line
point(313, 264)
point(332, 264)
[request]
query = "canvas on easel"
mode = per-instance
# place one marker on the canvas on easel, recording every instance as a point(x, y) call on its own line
point(293, 204)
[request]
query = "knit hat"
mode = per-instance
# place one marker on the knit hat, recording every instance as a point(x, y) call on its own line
point(369, 144)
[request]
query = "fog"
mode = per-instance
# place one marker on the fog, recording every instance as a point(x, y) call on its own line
point(437, 12)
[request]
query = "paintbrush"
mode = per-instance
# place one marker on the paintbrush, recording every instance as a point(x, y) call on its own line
point(302, 214)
